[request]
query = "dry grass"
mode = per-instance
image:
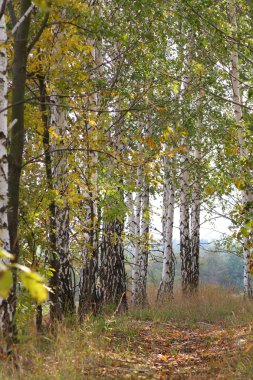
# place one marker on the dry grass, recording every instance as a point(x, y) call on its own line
point(71, 352)
point(123, 347)
point(212, 304)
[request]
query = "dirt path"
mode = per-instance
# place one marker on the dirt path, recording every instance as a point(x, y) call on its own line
point(165, 351)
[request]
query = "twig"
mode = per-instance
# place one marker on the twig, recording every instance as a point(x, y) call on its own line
point(118, 307)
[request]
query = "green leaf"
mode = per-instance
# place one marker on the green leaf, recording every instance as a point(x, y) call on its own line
point(244, 231)
point(6, 255)
point(250, 93)
point(42, 4)
point(5, 281)
point(33, 282)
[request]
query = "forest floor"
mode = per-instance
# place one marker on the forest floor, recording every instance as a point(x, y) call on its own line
point(169, 351)
point(210, 337)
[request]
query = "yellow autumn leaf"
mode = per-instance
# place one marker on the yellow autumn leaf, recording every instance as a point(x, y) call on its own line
point(42, 4)
point(239, 183)
point(88, 48)
point(34, 283)
point(6, 255)
point(92, 122)
point(210, 190)
point(5, 281)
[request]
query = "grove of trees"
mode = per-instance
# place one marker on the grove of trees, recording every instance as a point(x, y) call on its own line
point(105, 106)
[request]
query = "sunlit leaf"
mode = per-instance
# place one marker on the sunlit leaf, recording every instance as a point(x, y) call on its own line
point(33, 282)
point(5, 281)
point(6, 255)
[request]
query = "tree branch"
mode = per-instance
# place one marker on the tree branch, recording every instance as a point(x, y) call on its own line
point(39, 33)
point(25, 15)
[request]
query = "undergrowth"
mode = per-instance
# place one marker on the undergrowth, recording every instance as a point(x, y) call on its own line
point(212, 304)
point(75, 351)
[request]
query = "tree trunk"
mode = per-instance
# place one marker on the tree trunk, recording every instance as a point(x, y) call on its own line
point(66, 293)
point(112, 269)
point(136, 301)
point(185, 249)
point(88, 297)
point(141, 238)
point(195, 224)
point(130, 219)
point(6, 307)
point(144, 249)
point(55, 307)
point(165, 291)
point(17, 136)
point(88, 292)
point(112, 273)
point(247, 196)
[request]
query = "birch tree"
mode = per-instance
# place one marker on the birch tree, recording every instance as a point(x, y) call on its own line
point(165, 291)
point(145, 239)
point(196, 197)
point(141, 236)
point(247, 195)
point(112, 268)
point(62, 231)
point(136, 297)
point(185, 249)
point(6, 306)
point(88, 297)
point(112, 272)
point(55, 309)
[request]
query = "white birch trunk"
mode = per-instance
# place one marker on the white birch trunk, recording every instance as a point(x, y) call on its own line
point(247, 196)
point(165, 291)
point(185, 246)
point(112, 267)
point(196, 199)
point(185, 249)
point(88, 298)
point(165, 202)
point(195, 223)
point(137, 237)
point(4, 233)
point(131, 217)
point(6, 310)
point(62, 242)
point(144, 249)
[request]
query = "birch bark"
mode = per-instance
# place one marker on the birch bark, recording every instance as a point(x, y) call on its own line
point(62, 243)
point(247, 195)
point(137, 239)
point(185, 249)
point(113, 274)
point(141, 237)
point(55, 307)
point(165, 291)
point(144, 248)
point(196, 198)
point(88, 292)
point(112, 271)
point(185, 242)
point(131, 218)
point(195, 223)
point(6, 309)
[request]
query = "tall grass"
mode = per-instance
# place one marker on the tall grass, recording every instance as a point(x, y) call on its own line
point(212, 304)
point(77, 352)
